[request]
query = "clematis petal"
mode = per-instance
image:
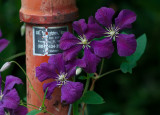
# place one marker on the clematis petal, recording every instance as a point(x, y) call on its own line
point(71, 72)
point(45, 71)
point(11, 99)
point(71, 66)
point(2, 111)
point(51, 86)
point(94, 29)
point(3, 44)
point(126, 44)
point(20, 110)
point(125, 19)
point(91, 20)
point(104, 16)
point(91, 61)
point(58, 62)
point(80, 26)
point(75, 62)
point(72, 52)
point(68, 40)
point(103, 48)
point(71, 91)
point(10, 82)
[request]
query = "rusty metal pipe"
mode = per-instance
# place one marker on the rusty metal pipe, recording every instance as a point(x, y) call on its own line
point(46, 21)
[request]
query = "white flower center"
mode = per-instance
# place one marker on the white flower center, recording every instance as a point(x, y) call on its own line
point(84, 41)
point(112, 32)
point(61, 79)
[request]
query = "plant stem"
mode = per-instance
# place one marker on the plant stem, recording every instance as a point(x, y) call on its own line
point(93, 82)
point(28, 80)
point(87, 85)
point(83, 108)
point(23, 103)
point(85, 90)
point(28, 107)
point(98, 77)
point(101, 69)
point(15, 56)
point(112, 71)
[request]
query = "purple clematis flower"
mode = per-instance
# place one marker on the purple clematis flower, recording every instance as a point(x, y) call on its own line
point(20, 110)
point(9, 99)
point(61, 71)
point(126, 44)
point(3, 43)
point(93, 50)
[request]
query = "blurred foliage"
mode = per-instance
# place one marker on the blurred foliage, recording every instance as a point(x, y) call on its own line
point(125, 94)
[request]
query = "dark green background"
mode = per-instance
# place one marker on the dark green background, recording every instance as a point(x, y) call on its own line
point(126, 94)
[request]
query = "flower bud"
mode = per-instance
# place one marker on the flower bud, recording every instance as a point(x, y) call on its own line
point(23, 29)
point(78, 71)
point(5, 66)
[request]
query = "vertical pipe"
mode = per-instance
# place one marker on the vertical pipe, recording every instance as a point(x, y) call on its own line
point(46, 21)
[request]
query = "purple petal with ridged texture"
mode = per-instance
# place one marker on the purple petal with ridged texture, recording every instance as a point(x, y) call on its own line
point(71, 91)
point(71, 72)
point(58, 62)
point(45, 71)
point(126, 44)
point(94, 31)
point(71, 66)
point(3, 44)
point(10, 82)
point(80, 26)
point(72, 52)
point(68, 40)
point(2, 111)
point(20, 110)
point(11, 99)
point(91, 61)
point(125, 19)
point(91, 20)
point(75, 63)
point(103, 48)
point(51, 86)
point(104, 16)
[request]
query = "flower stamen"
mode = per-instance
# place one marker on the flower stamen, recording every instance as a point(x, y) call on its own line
point(61, 79)
point(112, 32)
point(84, 41)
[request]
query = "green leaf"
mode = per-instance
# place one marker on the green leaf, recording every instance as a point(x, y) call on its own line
point(75, 108)
point(82, 77)
point(127, 67)
point(141, 45)
point(34, 112)
point(91, 97)
point(90, 75)
point(98, 39)
point(131, 61)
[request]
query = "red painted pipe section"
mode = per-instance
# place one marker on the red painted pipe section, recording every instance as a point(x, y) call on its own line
point(46, 21)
